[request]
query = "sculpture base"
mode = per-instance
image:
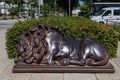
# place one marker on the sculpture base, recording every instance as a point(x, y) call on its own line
point(30, 68)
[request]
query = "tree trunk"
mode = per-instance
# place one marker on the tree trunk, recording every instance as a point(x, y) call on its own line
point(18, 9)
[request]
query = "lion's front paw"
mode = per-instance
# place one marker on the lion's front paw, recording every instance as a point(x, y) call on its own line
point(65, 62)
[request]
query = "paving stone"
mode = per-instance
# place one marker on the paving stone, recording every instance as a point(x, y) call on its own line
point(118, 51)
point(4, 63)
point(47, 76)
point(3, 53)
point(110, 76)
point(8, 75)
point(117, 61)
point(79, 76)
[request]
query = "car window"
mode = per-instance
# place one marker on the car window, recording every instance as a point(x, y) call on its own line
point(108, 12)
point(116, 12)
point(99, 13)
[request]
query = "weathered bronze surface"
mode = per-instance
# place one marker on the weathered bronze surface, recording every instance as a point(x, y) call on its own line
point(62, 69)
point(45, 45)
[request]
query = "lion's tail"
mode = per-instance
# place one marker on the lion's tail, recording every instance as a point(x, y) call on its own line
point(99, 63)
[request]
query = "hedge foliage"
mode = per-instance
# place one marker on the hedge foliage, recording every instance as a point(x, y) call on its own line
point(117, 28)
point(72, 27)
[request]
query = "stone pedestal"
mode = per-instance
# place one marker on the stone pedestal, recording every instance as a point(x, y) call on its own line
point(25, 68)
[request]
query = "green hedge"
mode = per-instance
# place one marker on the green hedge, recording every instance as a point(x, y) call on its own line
point(72, 27)
point(117, 28)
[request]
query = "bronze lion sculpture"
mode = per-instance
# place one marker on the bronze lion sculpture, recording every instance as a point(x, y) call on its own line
point(45, 44)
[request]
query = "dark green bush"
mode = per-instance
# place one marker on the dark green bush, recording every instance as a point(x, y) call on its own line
point(117, 28)
point(72, 27)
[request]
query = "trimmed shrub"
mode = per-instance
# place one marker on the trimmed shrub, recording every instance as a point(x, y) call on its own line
point(72, 27)
point(117, 28)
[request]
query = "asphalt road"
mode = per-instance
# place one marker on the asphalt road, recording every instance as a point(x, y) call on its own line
point(8, 23)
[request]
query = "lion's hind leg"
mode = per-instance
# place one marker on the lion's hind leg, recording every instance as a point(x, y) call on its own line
point(93, 62)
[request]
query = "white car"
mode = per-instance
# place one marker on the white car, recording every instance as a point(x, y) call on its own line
point(75, 12)
point(105, 15)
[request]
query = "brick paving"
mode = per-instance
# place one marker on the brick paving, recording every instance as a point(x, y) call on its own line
point(6, 66)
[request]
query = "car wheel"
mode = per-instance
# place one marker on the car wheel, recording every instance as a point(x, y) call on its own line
point(101, 22)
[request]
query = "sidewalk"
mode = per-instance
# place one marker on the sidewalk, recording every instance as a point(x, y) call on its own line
point(6, 66)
